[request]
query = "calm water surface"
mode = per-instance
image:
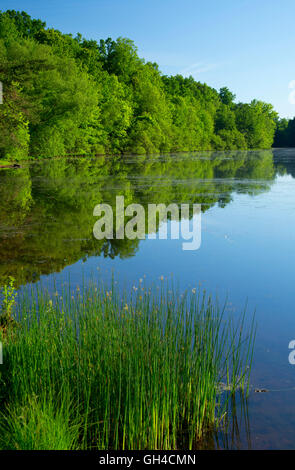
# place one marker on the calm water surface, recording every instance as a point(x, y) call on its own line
point(247, 252)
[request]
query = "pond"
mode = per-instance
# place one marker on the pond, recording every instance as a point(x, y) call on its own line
point(246, 253)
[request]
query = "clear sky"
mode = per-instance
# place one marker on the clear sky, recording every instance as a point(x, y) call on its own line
point(246, 45)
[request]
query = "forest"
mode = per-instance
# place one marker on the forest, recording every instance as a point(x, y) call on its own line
point(65, 95)
point(285, 133)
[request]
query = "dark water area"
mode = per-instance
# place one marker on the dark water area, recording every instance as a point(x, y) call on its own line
point(246, 255)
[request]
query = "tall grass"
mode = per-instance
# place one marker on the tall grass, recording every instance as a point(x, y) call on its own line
point(100, 370)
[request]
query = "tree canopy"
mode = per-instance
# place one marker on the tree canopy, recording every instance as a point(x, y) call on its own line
point(66, 95)
point(285, 133)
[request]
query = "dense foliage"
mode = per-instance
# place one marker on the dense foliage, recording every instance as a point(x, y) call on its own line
point(69, 95)
point(94, 369)
point(285, 133)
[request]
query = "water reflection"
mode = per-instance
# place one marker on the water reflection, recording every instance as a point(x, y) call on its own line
point(236, 431)
point(247, 252)
point(46, 207)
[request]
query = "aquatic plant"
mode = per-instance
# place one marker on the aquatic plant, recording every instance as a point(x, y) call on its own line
point(111, 371)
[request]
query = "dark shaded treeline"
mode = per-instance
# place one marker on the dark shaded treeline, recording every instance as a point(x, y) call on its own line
point(285, 133)
point(70, 95)
point(46, 207)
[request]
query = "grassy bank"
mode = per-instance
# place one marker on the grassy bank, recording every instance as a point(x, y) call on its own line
point(96, 369)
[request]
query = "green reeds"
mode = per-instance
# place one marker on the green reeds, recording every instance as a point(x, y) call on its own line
point(118, 372)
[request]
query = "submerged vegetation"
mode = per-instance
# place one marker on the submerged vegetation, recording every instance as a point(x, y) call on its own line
point(94, 369)
point(71, 95)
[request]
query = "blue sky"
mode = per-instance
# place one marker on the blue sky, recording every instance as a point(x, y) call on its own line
point(247, 45)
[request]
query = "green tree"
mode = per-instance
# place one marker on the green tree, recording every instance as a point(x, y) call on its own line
point(66, 95)
point(226, 96)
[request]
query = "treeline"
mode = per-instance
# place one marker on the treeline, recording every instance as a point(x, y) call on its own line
point(285, 133)
point(69, 95)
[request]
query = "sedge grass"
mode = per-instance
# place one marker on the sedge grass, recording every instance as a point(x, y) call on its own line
point(118, 372)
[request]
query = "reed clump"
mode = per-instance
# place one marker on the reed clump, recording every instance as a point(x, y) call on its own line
point(95, 369)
